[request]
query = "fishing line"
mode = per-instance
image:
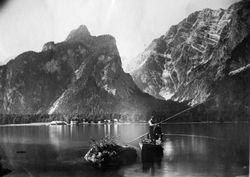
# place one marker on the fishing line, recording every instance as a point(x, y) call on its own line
point(189, 135)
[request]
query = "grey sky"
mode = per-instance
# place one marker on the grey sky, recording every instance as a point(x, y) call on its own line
point(28, 24)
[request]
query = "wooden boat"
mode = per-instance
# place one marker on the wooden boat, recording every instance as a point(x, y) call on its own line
point(148, 145)
point(151, 152)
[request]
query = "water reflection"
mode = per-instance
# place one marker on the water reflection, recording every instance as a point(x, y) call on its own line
point(55, 135)
point(151, 159)
point(58, 150)
point(107, 131)
point(168, 150)
point(116, 129)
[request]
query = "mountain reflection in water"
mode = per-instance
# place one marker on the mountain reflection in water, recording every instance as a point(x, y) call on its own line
point(58, 150)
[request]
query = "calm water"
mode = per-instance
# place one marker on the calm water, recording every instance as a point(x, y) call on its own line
point(201, 150)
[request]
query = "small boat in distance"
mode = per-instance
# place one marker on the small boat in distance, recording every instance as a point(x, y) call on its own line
point(53, 123)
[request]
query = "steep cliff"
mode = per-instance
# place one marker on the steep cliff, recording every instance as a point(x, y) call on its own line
point(232, 92)
point(186, 62)
point(82, 74)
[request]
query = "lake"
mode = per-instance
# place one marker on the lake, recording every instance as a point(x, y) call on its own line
point(190, 150)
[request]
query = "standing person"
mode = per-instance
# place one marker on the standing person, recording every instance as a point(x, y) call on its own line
point(158, 133)
point(152, 124)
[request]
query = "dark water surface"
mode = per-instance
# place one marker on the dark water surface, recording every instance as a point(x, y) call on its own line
point(199, 150)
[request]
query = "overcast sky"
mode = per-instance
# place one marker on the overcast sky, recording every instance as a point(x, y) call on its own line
point(28, 24)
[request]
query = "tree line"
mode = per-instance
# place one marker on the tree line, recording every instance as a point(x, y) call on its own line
point(198, 114)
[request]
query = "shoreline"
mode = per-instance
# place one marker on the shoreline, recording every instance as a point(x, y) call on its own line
point(122, 123)
point(26, 124)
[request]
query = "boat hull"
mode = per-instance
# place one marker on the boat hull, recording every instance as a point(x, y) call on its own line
point(150, 152)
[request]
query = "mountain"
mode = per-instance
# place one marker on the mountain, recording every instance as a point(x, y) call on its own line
point(82, 74)
point(232, 92)
point(193, 57)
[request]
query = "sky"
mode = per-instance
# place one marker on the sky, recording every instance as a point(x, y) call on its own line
point(28, 24)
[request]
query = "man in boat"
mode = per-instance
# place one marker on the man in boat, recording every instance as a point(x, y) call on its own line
point(154, 129)
point(157, 132)
point(152, 124)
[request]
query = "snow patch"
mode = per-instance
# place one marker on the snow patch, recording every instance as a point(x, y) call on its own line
point(166, 94)
point(55, 105)
point(189, 71)
point(169, 56)
point(166, 74)
point(237, 71)
point(78, 73)
point(109, 90)
point(198, 50)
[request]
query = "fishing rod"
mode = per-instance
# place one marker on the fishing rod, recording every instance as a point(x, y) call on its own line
point(162, 122)
point(171, 117)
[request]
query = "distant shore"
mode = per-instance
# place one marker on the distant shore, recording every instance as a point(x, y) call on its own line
point(170, 123)
point(26, 124)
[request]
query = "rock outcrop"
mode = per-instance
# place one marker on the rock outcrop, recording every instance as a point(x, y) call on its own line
point(82, 74)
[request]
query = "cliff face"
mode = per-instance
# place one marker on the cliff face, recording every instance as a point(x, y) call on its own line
point(232, 92)
point(82, 74)
point(188, 61)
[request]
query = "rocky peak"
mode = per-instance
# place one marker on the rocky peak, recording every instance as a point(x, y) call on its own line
point(82, 75)
point(78, 34)
point(49, 46)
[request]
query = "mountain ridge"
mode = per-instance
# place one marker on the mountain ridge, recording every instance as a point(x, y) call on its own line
point(192, 58)
point(171, 61)
point(82, 74)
